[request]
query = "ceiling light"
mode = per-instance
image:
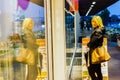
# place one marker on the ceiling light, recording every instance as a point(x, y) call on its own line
point(93, 2)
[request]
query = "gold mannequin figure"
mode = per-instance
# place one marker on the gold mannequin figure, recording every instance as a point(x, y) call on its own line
point(30, 43)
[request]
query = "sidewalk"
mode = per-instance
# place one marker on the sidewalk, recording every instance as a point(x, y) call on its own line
point(114, 63)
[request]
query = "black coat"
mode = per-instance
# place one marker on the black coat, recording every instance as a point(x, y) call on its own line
point(96, 40)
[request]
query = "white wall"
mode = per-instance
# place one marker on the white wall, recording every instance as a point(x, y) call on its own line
point(5, 18)
point(34, 10)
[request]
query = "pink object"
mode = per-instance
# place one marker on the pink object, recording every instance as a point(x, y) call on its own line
point(23, 4)
point(76, 0)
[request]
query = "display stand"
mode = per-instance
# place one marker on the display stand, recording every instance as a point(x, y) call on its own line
point(42, 60)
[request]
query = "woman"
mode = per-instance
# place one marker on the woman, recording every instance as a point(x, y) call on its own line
point(96, 40)
point(30, 43)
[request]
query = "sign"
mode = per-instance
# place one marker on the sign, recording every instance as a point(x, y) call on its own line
point(42, 52)
point(41, 42)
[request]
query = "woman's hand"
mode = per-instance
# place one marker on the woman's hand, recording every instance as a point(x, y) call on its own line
point(88, 49)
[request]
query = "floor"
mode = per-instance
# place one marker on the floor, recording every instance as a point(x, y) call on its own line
point(114, 63)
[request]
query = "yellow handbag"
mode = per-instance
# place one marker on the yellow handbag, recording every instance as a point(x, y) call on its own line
point(26, 56)
point(100, 55)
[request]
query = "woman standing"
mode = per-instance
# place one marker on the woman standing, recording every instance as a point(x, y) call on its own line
point(96, 40)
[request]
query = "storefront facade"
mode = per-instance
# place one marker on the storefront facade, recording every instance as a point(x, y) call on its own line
point(56, 39)
point(52, 14)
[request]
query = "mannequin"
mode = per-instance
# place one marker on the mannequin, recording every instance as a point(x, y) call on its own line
point(30, 43)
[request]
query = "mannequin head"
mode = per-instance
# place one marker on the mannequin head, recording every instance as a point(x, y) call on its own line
point(28, 23)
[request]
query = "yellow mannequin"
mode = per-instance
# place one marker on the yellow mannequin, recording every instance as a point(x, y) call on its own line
point(28, 23)
point(30, 43)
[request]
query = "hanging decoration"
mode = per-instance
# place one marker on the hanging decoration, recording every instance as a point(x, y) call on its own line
point(73, 5)
point(23, 4)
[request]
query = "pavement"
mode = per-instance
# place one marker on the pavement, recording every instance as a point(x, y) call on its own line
point(114, 63)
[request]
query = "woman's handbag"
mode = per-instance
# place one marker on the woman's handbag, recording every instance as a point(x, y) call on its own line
point(26, 56)
point(100, 55)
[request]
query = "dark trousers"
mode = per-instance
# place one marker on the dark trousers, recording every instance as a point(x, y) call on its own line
point(95, 71)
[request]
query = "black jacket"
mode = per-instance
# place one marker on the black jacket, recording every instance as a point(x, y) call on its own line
point(96, 38)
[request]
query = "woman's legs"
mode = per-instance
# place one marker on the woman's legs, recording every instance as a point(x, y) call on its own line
point(95, 71)
point(98, 71)
point(92, 72)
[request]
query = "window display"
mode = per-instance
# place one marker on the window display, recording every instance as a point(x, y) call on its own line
point(11, 34)
point(21, 37)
